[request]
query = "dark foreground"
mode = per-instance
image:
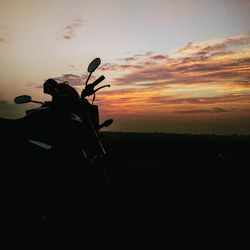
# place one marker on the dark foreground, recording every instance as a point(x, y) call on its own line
point(179, 191)
point(165, 192)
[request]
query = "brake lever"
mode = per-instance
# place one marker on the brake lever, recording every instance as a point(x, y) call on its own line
point(89, 89)
point(108, 85)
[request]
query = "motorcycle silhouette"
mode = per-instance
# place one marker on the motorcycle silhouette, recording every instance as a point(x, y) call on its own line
point(53, 155)
point(68, 107)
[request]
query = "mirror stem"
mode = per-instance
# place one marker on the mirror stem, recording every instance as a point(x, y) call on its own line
point(88, 78)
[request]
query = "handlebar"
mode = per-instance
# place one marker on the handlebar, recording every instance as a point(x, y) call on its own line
point(97, 81)
point(89, 89)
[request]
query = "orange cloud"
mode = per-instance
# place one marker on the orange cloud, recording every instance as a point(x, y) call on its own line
point(207, 48)
point(113, 66)
point(210, 77)
point(195, 79)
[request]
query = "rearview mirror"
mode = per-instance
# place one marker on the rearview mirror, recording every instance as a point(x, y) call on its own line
point(94, 64)
point(22, 99)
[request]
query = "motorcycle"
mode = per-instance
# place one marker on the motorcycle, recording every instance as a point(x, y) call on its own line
point(67, 106)
point(53, 154)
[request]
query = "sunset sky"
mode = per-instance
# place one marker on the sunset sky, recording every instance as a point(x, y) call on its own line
point(178, 66)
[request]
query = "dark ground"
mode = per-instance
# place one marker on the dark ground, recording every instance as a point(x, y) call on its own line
point(166, 191)
point(178, 191)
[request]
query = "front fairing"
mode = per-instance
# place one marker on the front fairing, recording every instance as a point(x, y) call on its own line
point(64, 130)
point(92, 145)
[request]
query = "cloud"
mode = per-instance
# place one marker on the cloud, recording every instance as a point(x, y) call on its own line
point(144, 101)
point(211, 80)
point(137, 57)
point(114, 66)
point(141, 102)
point(204, 63)
point(159, 57)
point(4, 39)
point(146, 74)
point(5, 36)
point(204, 78)
point(198, 111)
point(203, 100)
point(72, 79)
point(69, 32)
point(135, 62)
point(214, 46)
